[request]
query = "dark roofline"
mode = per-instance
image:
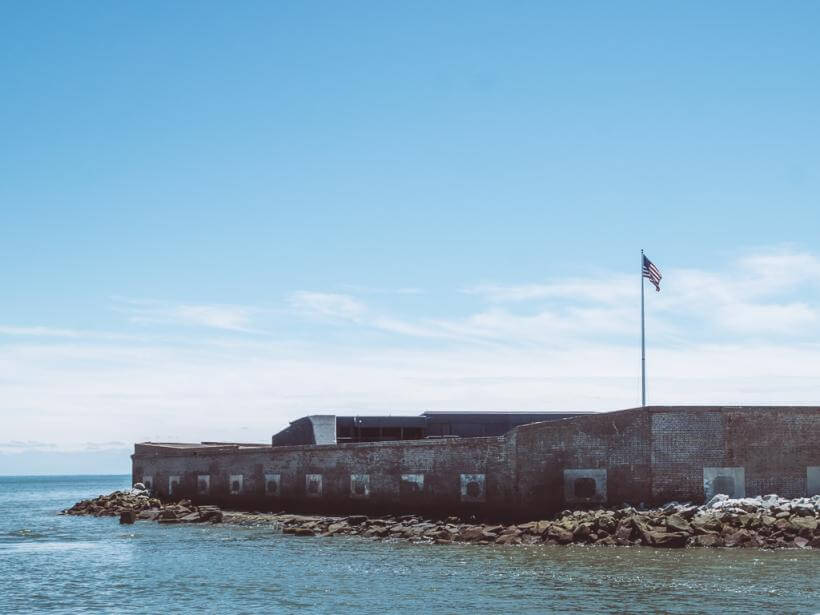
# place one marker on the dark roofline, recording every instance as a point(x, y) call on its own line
point(505, 412)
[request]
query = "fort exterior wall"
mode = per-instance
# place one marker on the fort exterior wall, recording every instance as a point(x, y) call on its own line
point(645, 455)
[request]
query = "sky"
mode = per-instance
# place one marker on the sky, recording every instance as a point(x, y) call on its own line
point(216, 217)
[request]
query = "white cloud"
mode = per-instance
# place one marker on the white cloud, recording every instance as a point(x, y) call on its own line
point(327, 305)
point(218, 316)
point(370, 290)
point(791, 318)
point(747, 333)
point(39, 332)
point(775, 270)
point(27, 445)
point(248, 393)
point(611, 289)
point(748, 296)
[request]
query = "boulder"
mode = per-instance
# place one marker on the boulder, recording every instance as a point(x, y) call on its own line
point(210, 513)
point(624, 531)
point(803, 509)
point(335, 528)
point(442, 533)
point(717, 500)
point(803, 525)
point(676, 523)
point(582, 532)
point(708, 540)
point(738, 538)
point(687, 512)
point(606, 523)
point(668, 540)
point(355, 519)
point(128, 516)
point(508, 539)
point(472, 533)
point(559, 534)
point(706, 523)
point(801, 542)
point(193, 517)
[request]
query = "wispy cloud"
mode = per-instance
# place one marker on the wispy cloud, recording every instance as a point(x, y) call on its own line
point(372, 290)
point(611, 289)
point(39, 332)
point(328, 305)
point(104, 446)
point(746, 332)
point(751, 295)
point(217, 316)
point(15, 445)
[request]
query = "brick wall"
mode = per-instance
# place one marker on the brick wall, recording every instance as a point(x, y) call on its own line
point(650, 455)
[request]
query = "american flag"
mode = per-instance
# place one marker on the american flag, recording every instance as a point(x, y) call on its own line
point(652, 273)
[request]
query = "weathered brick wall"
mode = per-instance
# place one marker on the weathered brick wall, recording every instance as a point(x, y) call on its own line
point(650, 455)
point(775, 446)
point(617, 442)
point(441, 463)
point(683, 442)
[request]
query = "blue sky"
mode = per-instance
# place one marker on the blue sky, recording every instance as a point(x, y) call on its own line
point(215, 218)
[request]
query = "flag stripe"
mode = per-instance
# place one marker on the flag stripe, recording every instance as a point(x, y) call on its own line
point(652, 273)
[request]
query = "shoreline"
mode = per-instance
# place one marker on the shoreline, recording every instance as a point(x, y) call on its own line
point(766, 522)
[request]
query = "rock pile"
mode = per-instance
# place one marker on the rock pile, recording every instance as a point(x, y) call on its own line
point(137, 504)
point(763, 522)
point(136, 499)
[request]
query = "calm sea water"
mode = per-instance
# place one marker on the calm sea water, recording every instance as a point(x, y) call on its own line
point(59, 564)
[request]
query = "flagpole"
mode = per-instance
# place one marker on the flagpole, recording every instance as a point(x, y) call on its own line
point(643, 343)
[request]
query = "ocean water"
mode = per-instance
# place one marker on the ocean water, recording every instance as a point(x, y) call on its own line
point(60, 564)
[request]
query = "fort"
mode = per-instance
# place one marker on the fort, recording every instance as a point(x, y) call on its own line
point(498, 465)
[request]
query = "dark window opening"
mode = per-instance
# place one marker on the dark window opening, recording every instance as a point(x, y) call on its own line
point(409, 486)
point(358, 487)
point(271, 486)
point(724, 484)
point(473, 489)
point(203, 485)
point(585, 487)
point(313, 486)
point(235, 485)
